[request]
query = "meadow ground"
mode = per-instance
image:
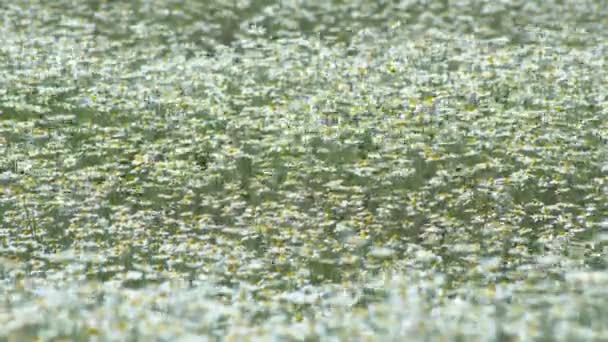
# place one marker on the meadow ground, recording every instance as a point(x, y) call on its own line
point(303, 170)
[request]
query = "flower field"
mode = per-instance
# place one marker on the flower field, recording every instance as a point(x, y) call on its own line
point(183, 170)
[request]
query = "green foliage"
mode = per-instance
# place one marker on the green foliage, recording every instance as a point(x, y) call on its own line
point(303, 170)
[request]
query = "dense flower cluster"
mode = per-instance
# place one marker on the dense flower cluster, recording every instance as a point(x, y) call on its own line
point(321, 169)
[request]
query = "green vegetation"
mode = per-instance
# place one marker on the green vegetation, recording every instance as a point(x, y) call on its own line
point(303, 170)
